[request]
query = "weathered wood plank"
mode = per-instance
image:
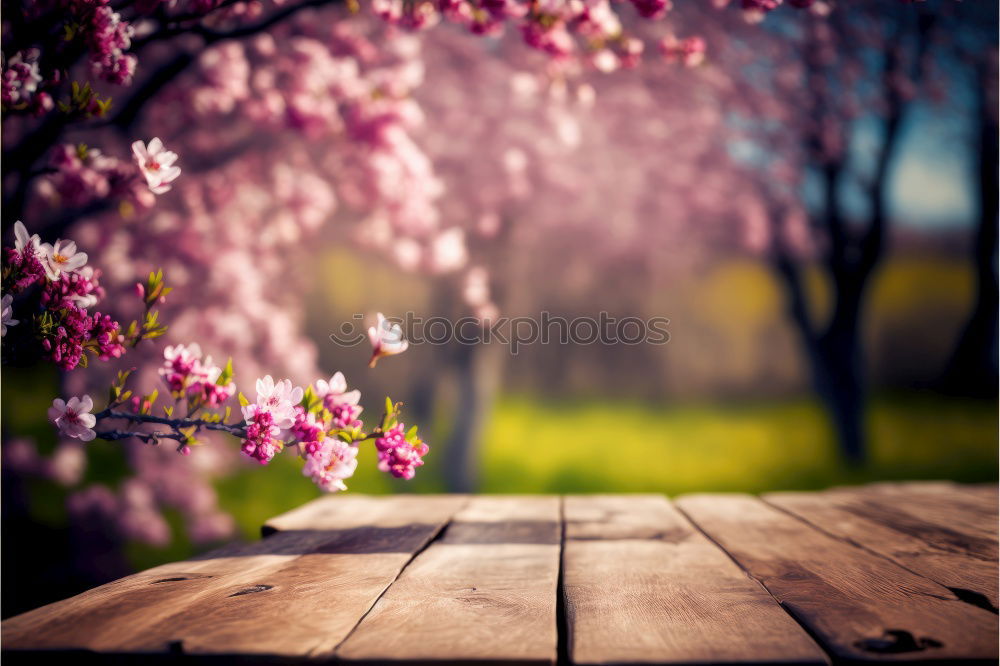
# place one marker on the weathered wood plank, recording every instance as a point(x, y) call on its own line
point(486, 591)
point(323, 513)
point(290, 594)
point(643, 586)
point(859, 605)
point(966, 515)
point(938, 559)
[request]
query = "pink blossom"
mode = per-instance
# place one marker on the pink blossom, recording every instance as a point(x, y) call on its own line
point(62, 257)
point(20, 78)
point(25, 267)
point(105, 333)
point(64, 343)
point(108, 37)
point(73, 418)
point(307, 429)
point(8, 314)
point(81, 289)
point(261, 433)
point(185, 370)
point(208, 388)
point(553, 40)
point(341, 403)
point(181, 363)
point(22, 240)
point(398, 456)
point(386, 339)
point(280, 399)
point(332, 462)
point(156, 165)
point(85, 175)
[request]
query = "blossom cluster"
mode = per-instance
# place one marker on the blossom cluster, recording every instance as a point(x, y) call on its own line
point(19, 86)
point(60, 327)
point(107, 37)
point(560, 29)
point(321, 423)
point(400, 453)
point(93, 27)
point(353, 89)
point(186, 373)
point(83, 175)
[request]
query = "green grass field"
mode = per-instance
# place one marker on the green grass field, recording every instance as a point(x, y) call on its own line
point(597, 447)
point(538, 447)
point(605, 446)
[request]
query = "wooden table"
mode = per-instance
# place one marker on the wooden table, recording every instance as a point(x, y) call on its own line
point(887, 572)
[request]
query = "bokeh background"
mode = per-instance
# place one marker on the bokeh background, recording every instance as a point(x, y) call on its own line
point(708, 194)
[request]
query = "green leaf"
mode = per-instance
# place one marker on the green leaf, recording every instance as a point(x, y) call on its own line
point(243, 400)
point(388, 406)
point(411, 434)
point(227, 373)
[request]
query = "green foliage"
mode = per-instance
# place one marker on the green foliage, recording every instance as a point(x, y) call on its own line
point(85, 101)
point(606, 446)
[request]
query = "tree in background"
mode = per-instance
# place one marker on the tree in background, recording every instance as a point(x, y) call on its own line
point(818, 114)
point(972, 368)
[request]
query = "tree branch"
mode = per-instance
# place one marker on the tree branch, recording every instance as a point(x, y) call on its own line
point(235, 429)
point(167, 73)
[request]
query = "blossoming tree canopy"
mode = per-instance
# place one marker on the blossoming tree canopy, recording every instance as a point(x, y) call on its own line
point(252, 127)
point(54, 286)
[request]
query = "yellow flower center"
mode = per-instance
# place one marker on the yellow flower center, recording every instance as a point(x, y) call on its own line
point(60, 259)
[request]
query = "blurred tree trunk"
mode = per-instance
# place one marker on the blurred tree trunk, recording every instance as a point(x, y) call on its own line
point(972, 368)
point(833, 348)
point(834, 355)
point(477, 369)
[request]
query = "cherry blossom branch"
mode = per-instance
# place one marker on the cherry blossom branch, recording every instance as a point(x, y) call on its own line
point(148, 437)
point(175, 67)
point(175, 423)
point(319, 422)
point(33, 146)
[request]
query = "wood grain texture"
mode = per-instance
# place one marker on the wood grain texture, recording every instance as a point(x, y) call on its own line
point(325, 513)
point(939, 512)
point(859, 605)
point(485, 591)
point(643, 586)
point(293, 593)
point(940, 560)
